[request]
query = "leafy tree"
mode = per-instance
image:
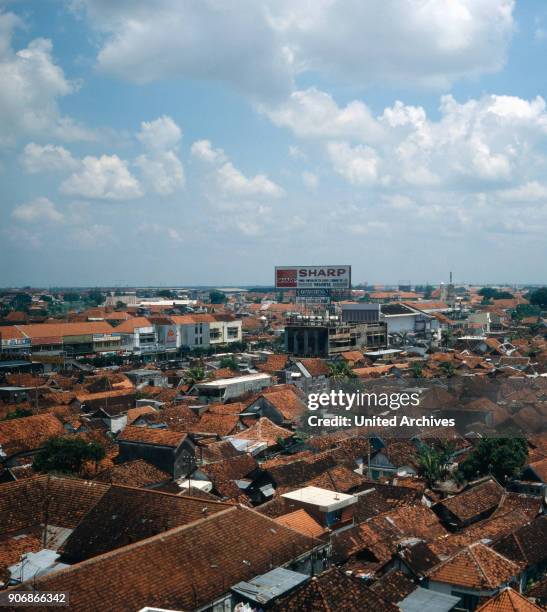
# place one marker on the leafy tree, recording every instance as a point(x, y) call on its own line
point(17, 414)
point(489, 293)
point(448, 368)
point(433, 463)
point(67, 455)
point(194, 375)
point(417, 369)
point(21, 301)
point(165, 293)
point(217, 297)
point(446, 337)
point(341, 371)
point(71, 297)
point(538, 297)
point(501, 457)
point(96, 297)
point(120, 304)
point(229, 362)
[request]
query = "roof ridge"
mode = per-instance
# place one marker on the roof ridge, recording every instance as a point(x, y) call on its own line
point(176, 495)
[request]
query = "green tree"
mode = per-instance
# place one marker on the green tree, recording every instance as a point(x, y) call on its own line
point(433, 463)
point(18, 413)
point(229, 362)
point(502, 457)
point(448, 368)
point(217, 297)
point(194, 375)
point(165, 293)
point(21, 301)
point(417, 369)
point(67, 455)
point(71, 297)
point(341, 371)
point(96, 297)
point(539, 297)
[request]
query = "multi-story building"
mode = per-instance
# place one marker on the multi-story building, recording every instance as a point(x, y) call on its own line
point(310, 336)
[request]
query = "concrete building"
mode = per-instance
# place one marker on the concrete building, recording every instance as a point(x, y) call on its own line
point(224, 389)
point(309, 336)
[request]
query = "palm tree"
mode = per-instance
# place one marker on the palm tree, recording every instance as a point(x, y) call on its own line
point(340, 371)
point(194, 375)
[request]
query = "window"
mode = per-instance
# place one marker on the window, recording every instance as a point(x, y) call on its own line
point(233, 332)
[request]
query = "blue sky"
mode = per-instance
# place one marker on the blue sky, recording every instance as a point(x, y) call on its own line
point(160, 142)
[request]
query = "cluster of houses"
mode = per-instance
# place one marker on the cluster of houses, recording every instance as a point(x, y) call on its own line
point(213, 495)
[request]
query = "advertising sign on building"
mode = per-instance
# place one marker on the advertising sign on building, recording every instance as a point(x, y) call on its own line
point(313, 277)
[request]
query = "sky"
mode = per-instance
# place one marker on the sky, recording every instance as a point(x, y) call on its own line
point(159, 142)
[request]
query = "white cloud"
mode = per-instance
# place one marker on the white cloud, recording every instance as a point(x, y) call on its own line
point(161, 167)
point(533, 191)
point(164, 172)
point(48, 158)
point(314, 114)
point(232, 182)
point(92, 236)
point(358, 165)
point(162, 134)
point(103, 178)
point(234, 43)
point(413, 42)
point(31, 85)
point(310, 180)
point(203, 150)
point(38, 210)
point(259, 46)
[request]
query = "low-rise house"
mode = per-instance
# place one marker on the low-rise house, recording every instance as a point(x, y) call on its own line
point(171, 451)
point(205, 559)
point(472, 505)
point(284, 407)
point(25, 436)
point(224, 389)
point(330, 508)
point(509, 600)
point(474, 573)
point(263, 435)
point(527, 547)
point(136, 473)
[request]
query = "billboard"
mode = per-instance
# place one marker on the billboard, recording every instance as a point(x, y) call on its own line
point(313, 277)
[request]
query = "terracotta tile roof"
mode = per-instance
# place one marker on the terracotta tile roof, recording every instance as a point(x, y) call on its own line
point(476, 567)
point(526, 546)
point(216, 451)
point(333, 591)
point(24, 503)
point(273, 364)
point(301, 521)
point(394, 586)
point(136, 473)
point(416, 521)
point(11, 332)
point(130, 325)
point(234, 408)
point(508, 600)
point(126, 515)
point(287, 402)
point(316, 366)
point(265, 431)
point(134, 413)
point(51, 330)
point(192, 319)
point(352, 356)
point(103, 395)
point(12, 549)
point(28, 433)
point(148, 435)
point(234, 468)
point(540, 468)
point(220, 424)
point(475, 501)
point(177, 418)
point(205, 559)
point(338, 478)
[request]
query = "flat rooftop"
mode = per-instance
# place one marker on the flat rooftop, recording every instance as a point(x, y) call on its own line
point(323, 499)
